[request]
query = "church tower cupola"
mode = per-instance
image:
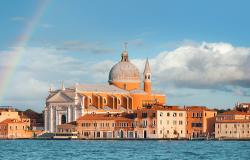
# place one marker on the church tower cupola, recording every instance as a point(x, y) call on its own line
point(147, 77)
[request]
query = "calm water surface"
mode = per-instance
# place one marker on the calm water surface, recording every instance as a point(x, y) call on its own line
point(74, 150)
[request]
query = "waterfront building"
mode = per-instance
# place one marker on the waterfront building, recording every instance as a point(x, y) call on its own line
point(233, 115)
point(11, 113)
point(67, 127)
point(124, 92)
point(13, 129)
point(36, 119)
point(167, 122)
point(200, 121)
point(8, 112)
point(161, 122)
point(172, 122)
point(13, 125)
point(105, 126)
point(232, 125)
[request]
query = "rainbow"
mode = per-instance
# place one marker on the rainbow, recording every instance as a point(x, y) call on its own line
point(15, 55)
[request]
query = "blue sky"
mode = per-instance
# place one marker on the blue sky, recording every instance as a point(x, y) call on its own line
point(93, 33)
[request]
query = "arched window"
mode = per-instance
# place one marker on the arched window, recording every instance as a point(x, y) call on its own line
point(63, 119)
point(125, 86)
point(104, 100)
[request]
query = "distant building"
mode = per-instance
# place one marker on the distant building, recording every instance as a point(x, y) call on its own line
point(156, 122)
point(161, 122)
point(67, 127)
point(104, 126)
point(200, 121)
point(13, 129)
point(243, 107)
point(123, 93)
point(8, 113)
point(36, 119)
point(232, 125)
point(12, 125)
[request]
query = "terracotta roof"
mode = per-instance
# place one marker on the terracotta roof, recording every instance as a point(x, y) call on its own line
point(99, 88)
point(234, 112)
point(234, 121)
point(197, 108)
point(6, 121)
point(102, 117)
point(68, 125)
point(166, 108)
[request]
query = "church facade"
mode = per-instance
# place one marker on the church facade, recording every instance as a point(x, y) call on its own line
point(124, 92)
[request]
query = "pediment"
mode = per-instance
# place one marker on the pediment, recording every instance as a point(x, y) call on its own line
point(60, 97)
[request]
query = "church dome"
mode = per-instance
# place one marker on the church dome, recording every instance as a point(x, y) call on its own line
point(124, 71)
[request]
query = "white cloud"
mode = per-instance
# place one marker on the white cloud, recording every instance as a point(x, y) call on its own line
point(209, 65)
point(215, 66)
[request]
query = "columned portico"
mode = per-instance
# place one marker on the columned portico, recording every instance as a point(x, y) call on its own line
point(51, 122)
point(68, 114)
point(58, 113)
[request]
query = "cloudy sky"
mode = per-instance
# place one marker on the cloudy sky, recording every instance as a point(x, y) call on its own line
point(199, 51)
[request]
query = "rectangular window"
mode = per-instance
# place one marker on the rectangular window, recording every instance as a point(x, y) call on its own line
point(145, 123)
point(153, 115)
point(86, 134)
point(134, 124)
point(180, 114)
point(174, 122)
point(154, 123)
point(98, 134)
point(196, 124)
point(144, 115)
point(180, 123)
point(104, 134)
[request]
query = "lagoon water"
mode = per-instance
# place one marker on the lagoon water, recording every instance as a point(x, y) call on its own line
point(79, 150)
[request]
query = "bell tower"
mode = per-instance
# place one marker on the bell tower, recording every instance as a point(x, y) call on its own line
point(147, 77)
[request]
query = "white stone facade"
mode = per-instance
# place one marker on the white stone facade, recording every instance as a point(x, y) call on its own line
point(171, 123)
point(62, 106)
point(236, 129)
